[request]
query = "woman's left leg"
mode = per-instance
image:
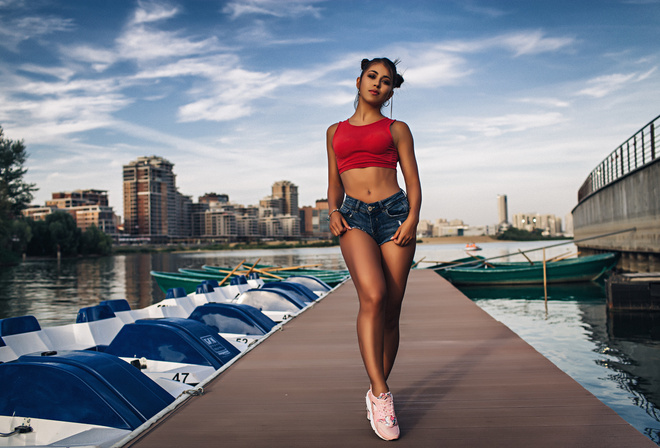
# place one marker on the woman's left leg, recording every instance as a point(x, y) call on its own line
point(396, 261)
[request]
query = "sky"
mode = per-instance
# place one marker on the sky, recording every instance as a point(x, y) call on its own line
point(515, 97)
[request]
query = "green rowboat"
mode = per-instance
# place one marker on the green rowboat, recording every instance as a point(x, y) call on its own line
point(563, 271)
point(190, 278)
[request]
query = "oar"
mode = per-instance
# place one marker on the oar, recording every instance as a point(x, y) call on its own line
point(289, 268)
point(481, 259)
point(413, 266)
point(252, 268)
point(261, 271)
point(632, 229)
point(561, 257)
point(525, 255)
point(231, 273)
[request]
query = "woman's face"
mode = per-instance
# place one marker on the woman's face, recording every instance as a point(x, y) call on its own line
point(376, 84)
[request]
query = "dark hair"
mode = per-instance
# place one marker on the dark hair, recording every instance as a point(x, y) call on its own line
point(397, 79)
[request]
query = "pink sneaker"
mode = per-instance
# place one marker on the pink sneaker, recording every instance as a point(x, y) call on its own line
point(380, 411)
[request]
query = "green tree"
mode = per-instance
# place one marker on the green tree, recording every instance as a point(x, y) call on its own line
point(95, 241)
point(15, 194)
point(57, 233)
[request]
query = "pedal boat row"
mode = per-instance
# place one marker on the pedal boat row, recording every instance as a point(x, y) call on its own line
point(98, 381)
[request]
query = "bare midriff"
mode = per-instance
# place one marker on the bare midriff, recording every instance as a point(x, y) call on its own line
point(370, 184)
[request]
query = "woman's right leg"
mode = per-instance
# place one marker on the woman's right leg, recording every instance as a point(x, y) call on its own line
point(363, 259)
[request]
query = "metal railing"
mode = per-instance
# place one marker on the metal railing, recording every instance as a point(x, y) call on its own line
point(639, 150)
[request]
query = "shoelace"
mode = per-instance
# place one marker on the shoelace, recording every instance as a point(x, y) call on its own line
point(385, 409)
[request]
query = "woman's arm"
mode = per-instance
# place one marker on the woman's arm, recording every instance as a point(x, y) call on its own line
point(338, 224)
point(403, 140)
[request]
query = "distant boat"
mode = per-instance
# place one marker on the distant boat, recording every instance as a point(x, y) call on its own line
point(562, 271)
point(471, 247)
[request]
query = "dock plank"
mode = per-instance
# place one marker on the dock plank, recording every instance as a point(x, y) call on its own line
point(462, 379)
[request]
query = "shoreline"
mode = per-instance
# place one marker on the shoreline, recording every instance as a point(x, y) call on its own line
point(123, 250)
point(460, 239)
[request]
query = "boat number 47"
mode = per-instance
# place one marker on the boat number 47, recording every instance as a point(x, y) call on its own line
point(181, 377)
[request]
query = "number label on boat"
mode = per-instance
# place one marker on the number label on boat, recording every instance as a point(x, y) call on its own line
point(181, 377)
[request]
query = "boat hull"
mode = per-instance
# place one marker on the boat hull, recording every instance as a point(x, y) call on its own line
point(565, 271)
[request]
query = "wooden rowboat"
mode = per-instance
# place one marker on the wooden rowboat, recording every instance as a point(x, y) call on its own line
point(563, 271)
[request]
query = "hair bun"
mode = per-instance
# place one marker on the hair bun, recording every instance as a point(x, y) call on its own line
point(398, 81)
point(364, 64)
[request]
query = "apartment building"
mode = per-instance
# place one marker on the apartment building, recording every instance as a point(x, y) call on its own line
point(87, 207)
point(153, 207)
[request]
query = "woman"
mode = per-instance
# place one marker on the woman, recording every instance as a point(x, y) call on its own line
point(377, 224)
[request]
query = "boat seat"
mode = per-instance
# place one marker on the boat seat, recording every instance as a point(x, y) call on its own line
point(174, 293)
point(233, 291)
point(6, 353)
point(94, 313)
point(70, 337)
point(240, 283)
point(23, 335)
point(175, 307)
point(95, 326)
point(117, 305)
point(205, 293)
point(150, 312)
point(104, 331)
point(18, 325)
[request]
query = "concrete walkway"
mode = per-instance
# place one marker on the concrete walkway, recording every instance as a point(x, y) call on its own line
point(462, 379)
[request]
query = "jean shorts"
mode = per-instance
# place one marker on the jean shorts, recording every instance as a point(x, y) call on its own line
point(380, 220)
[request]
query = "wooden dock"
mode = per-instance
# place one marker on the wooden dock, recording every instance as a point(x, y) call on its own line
point(462, 379)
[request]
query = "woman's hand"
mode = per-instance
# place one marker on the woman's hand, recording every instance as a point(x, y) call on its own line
point(338, 225)
point(406, 233)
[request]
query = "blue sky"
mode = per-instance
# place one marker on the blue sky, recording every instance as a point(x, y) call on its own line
point(522, 98)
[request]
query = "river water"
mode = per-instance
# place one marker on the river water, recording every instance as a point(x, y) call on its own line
point(615, 357)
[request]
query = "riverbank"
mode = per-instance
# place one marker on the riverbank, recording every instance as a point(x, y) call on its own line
point(460, 239)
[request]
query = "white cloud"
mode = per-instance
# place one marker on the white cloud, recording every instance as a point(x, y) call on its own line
point(552, 102)
point(482, 10)
point(18, 30)
point(100, 58)
point(530, 43)
point(144, 44)
point(602, 86)
point(275, 8)
point(504, 124)
point(519, 43)
point(435, 68)
point(62, 73)
point(153, 12)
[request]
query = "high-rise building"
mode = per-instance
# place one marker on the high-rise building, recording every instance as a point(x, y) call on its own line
point(502, 209)
point(289, 193)
point(152, 205)
point(314, 220)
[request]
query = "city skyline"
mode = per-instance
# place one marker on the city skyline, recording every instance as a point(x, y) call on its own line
point(502, 96)
point(278, 190)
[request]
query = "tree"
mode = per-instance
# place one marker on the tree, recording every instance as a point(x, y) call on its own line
point(95, 241)
point(15, 194)
point(57, 233)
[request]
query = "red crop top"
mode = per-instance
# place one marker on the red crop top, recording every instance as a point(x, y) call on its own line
point(365, 146)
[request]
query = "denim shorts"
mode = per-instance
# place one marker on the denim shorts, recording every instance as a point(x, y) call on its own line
point(380, 220)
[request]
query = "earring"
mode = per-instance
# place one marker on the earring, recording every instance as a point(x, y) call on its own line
point(386, 103)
